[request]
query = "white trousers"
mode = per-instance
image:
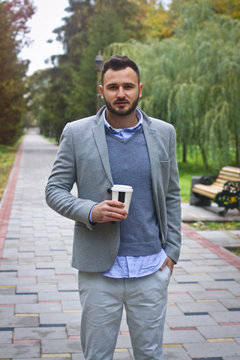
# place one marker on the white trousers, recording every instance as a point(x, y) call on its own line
point(102, 299)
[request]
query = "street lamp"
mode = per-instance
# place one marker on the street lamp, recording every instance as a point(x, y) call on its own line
point(98, 61)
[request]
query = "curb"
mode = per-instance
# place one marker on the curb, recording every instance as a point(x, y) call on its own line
point(216, 249)
point(8, 196)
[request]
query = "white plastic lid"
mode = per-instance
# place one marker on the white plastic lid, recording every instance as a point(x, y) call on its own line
point(122, 188)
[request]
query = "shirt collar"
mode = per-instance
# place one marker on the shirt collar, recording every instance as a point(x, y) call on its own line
point(130, 129)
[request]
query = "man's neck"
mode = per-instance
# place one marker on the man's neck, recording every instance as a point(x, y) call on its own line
point(121, 122)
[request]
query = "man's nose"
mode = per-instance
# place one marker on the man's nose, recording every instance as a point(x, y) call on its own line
point(121, 92)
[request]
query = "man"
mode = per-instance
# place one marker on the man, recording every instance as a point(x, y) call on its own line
point(124, 258)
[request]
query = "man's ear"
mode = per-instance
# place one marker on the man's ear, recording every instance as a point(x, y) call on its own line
point(101, 91)
point(140, 89)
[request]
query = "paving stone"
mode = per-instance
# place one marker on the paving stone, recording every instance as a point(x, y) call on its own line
point(60, 346)
point(201, 306)
point(59, 318)
point(187, 287)
point(36, 288)
point(64, 296)
point(182, 337)
point(122, 355)
point(33, 333)
point(123, 341)
point(6, 312)
point(38, 308)
point(73, 329)
point(175, 353)
point(212, 294)
point(21, 321)
point(181, 297)
point(193, 277)
point(235, 274)
point(216, 332)
point(213, 349)
point(45, 358)
point(71, 305)
point(173, 310)
point(181, 321)
point(18, 299)
point(78, 356)
point(6, 337)
point(226, 316)
point(231, 303)
point(19, 351)
point(237, 339)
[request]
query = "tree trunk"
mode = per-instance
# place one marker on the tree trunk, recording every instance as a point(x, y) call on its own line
point(237, 154)
point(184, 153)
point(204, 157)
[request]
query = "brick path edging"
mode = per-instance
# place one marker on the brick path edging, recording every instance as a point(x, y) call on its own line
point(216, 249)
point(7, 199)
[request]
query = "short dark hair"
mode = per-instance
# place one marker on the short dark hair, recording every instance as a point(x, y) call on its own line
point(119, 62)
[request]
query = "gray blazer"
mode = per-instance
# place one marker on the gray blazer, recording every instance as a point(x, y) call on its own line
point(82, 158)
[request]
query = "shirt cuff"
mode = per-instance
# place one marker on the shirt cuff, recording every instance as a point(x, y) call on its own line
point(90, 216)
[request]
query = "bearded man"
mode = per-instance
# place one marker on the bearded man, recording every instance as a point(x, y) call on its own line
point(124, 258)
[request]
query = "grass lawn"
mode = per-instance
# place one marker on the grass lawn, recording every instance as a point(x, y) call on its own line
point(190, 169)
point(212, 225)
point(7, 157)
point(235, 251)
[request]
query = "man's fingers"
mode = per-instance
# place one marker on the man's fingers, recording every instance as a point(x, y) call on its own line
point(168, 262)
point(163, 265)
point(109, 210)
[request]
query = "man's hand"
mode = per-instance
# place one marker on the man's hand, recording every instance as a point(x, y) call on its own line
point(108, 210)
point(169, 263)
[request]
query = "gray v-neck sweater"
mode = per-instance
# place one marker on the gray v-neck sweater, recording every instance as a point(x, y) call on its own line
point(130, 165)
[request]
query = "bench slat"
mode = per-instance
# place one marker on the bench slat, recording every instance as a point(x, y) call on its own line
point(231, 169)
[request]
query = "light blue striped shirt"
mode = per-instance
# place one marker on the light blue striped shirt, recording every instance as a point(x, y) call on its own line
point(133, 266)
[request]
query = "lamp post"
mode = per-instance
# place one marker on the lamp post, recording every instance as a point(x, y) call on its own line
point(98, 61)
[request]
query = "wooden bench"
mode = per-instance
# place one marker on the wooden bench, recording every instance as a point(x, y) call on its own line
point(225, 190)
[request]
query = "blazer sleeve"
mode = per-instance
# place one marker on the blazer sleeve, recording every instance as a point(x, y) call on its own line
point(173, 204)
point(61, 181)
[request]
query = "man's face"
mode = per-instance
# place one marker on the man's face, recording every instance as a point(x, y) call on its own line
point(121, 91)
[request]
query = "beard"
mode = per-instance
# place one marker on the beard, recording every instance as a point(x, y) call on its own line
point(121, 112)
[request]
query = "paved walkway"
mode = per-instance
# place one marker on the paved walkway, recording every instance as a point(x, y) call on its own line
point(39, 304)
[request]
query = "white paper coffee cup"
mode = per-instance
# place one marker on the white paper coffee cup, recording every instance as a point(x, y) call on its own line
point(122, 193)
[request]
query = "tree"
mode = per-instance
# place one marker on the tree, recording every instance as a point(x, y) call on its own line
point(155, 20)
point(110, 23)
point(193, 81)
point(225, 7)
point(13, 17)
point(91, 26)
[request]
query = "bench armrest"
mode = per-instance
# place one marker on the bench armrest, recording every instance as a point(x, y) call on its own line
point(208, 179)
point(232, 187)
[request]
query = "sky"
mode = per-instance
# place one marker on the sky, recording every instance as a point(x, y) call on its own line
point(48, 16)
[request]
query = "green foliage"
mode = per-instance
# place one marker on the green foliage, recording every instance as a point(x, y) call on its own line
point(13, 17)
point(7, 157)
point(193, 81)
point(220, 226)
point(71, 86)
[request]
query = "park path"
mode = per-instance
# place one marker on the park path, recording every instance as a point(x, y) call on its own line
point(39, 304)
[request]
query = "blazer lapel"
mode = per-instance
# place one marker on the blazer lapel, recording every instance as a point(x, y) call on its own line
point(153, 151)
point(100, 140)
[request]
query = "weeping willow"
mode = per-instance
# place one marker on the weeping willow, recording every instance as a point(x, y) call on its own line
point(193, 81)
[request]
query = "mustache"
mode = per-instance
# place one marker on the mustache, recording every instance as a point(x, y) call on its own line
point(121, 101)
